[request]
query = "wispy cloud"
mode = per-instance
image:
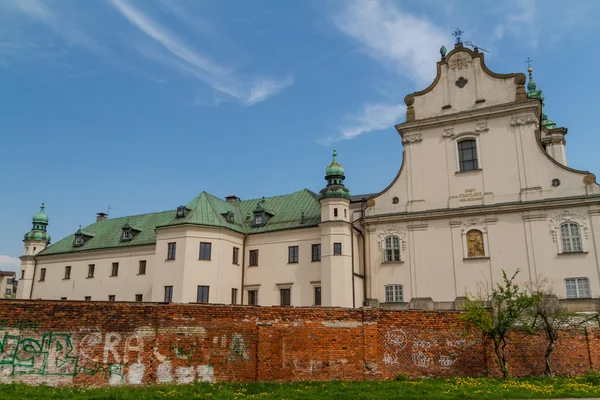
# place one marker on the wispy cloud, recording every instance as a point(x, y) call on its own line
point(185, 58)
point(372, 117)
point(407, 42)
point(8, 263)
point(520, 21)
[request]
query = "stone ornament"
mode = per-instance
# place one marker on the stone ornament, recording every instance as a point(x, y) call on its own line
point(520, 79)
point(568, 216)
point(460, 60)
point(412, 139)
point(461, 82)
point(553, 140)
point(473, 223)
point(448, 133)
point(523, 120)
point(393, 230)
point(589, 179)
point(482, 127)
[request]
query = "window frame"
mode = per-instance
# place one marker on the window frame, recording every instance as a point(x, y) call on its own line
point(168, 294)
point(253, 261)
point(293, 254)
point(67, 272)
point(252, 297)
point(317, 295)
point(205, 251)
point(42, 275)
point(139, 297)
point(142, 271)
point(285, 294)
point(203, 294)
point(114, 271)
point(171, 250)
point(570, 238)
point(318, 252)
point(336, 246)
point(577, 288)
point(87, 298)
point(391, 293)
point(395, 257)
point(235, 256)
point(234, 296)
point(112, 297)
point(91, 270)
point(464, 138)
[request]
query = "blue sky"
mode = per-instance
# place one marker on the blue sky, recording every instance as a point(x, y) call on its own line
point(141, 105)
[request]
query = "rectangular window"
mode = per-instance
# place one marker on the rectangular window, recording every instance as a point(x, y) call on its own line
point(258, 220)
point(91, 269)
point(345, 213)
point(171, 248)
point(337, 248)
point(205, 251)
point(335, 214)
point(68, 272)
point(236, 255)
point(88, 298)
point(42, 274)
point(253, 258)
point(467, 155)
point(9, 281)
point(168, 294)
point(293, 254)
point(142, 268)
point(115, 269)
point(253, 297)
point(111, 297)
point(139, 297)
point(317, 295)
point(233, 296)
point(202, 296)
point(393, 293)
point(8, 291)
point(63, 298)
point(578, 288)
point(285, 296)
point(22, 274)
point(316, 252)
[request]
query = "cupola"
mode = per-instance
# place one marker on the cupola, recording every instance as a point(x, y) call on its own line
point(40, 224)
point(535, 93)
point(334, 174)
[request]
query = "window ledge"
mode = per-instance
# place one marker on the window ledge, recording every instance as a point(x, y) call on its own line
point(252, 266)
point(293, 262)
point(466, 172)
point(89, 277)
point(113, 276)
point(392, 262)
point(566, 253)
point(66, 279)
point(204, 259)
point(315, 261)
point(169, 259)
point(477, 258)
point(141, 274)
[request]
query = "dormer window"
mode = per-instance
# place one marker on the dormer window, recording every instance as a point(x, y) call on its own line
point(258, 219)
point(181, 211)
point(229, 216)
point(127, 235)
point(79, 240)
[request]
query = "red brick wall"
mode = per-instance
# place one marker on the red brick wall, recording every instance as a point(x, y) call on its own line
point(101, 343)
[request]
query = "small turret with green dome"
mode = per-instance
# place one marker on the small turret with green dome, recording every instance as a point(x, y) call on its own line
point(534, 93)
point(334, 174)
point(40, 223)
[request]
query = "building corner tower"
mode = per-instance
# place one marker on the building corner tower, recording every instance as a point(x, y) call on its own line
point(336, 237)
point(35, 241)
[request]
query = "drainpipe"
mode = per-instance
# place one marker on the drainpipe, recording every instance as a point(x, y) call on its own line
point(33, 278)
point(352, 263)
point(364, 276)
point(243, 269)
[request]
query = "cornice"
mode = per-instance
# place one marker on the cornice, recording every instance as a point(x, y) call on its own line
point(532, 106)
point(501, 208)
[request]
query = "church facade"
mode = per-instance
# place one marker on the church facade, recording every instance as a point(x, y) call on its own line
point(484, 187)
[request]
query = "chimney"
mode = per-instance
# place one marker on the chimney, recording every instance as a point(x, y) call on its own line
point(101, 216)
point(232, 199)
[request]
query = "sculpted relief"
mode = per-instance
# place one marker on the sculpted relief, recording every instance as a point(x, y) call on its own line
point(475, 243)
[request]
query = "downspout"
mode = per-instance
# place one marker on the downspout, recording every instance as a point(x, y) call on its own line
point(243, 269)
point(352, 263)
point(33, 278)
point(364, 276)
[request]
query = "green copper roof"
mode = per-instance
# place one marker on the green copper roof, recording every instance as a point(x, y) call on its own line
point(38, 231)
point(37, 235)
point(41, 217)
point(205, 210)
point(334, 175)
point(334, 168)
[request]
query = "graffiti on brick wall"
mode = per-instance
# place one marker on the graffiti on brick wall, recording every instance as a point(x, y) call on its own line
point(113, 356)
point(442, 353)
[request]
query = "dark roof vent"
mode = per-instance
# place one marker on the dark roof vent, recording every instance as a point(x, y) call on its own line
point(232, 199)
point(101, 216)
point(181, 211)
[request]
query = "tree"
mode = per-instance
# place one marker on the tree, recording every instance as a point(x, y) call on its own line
point(509, 303)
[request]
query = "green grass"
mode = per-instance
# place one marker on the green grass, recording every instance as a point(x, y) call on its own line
point(453, 388)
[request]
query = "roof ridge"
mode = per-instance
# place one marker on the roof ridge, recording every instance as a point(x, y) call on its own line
point(135, 215)
point(273, 197)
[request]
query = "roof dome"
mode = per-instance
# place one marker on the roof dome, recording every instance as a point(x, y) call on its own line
point(334, 168)
point(37, 235)
point(40, 217)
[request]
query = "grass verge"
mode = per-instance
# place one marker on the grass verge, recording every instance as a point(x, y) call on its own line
point(422, 389)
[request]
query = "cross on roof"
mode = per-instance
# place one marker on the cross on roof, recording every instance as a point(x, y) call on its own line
point(528, 62)
point(457, 34)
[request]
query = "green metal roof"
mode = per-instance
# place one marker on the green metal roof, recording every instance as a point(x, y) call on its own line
point(205, 210)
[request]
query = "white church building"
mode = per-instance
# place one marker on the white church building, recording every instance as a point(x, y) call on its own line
point(484, 186)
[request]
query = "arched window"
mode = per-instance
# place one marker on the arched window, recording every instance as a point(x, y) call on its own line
point(391, 251)
point(571, 237)
point(467, 155)
point(475, 246)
